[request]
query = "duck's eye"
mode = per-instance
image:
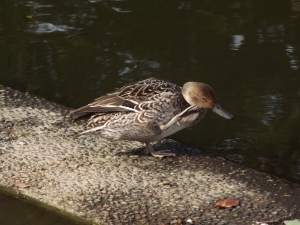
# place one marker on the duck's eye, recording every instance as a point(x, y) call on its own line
point(203, 98)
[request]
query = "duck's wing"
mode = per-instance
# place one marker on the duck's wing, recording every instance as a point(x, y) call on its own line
point(127, 98)
point(186, 117)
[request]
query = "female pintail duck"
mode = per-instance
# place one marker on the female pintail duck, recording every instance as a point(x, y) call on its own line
point(149, 110)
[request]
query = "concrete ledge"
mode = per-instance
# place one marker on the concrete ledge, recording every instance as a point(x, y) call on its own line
point(115, 183)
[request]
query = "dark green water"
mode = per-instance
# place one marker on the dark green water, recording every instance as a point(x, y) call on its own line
point(14, 211)
point(248, 51)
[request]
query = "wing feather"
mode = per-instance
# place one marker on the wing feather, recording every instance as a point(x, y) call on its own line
point(127, 98)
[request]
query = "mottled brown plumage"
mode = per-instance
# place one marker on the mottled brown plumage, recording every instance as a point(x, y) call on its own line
point(149, 110)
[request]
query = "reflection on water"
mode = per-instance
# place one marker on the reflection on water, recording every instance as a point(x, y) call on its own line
point(273, 108)
point(120, 10)
point(293, 60)
point(273, 33)
point(42, 28)
point(33, 5)
point(236, 42)
point(249, 55)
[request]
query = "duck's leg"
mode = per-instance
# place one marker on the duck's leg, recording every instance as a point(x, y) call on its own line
point(158, 154)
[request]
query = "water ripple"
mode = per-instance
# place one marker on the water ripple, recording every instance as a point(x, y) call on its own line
point(42, 28)
point(35, 5)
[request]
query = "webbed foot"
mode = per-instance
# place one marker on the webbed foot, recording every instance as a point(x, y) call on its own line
point(159, 154)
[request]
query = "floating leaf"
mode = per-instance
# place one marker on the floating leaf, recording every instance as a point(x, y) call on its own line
point(21, 185)
point(292, 222)
point(227, 203)
point(29, 16)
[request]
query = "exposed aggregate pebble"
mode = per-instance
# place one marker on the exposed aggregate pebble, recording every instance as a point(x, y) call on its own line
point(116, 183)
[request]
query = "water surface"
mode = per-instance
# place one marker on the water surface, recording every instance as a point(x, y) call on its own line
point(14, 211)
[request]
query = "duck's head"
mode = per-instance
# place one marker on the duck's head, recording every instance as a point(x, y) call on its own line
point(204, 97)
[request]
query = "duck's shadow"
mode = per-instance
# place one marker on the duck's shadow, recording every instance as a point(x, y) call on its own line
point(175, 147)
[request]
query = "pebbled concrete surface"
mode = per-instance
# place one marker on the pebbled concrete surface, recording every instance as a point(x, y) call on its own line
point(116, 183)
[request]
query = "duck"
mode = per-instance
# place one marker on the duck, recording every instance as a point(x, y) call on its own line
point(148, 111)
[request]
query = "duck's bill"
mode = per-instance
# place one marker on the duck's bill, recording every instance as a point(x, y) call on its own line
point(222, 112)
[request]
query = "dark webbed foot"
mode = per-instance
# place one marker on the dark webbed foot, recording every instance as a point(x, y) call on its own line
point(159, 154)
